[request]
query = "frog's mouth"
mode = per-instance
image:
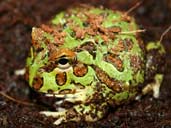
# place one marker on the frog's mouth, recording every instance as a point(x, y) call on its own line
point(78, 95)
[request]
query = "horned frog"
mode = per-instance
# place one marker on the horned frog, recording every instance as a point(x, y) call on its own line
point(89, 59)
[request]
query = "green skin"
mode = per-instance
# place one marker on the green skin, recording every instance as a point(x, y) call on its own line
point(92, 99)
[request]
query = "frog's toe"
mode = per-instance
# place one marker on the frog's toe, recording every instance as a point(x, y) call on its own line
point(53, 114)
point(154, 86)
point(59, 120)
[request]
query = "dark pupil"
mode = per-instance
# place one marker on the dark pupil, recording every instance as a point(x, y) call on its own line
point(63, 61)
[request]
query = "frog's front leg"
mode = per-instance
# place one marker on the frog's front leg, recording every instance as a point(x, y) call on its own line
point(90, 113)
point(154, 68)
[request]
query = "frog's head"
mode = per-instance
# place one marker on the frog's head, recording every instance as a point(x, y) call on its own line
point(56, 68)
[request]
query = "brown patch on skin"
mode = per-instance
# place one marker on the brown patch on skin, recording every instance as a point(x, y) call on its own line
point(49, 67)
point(91, 31)
point(37, 35)
point(115, 60)
point(136, 62)
point(105, 38)
point(46, 28)
point(118, 48)
point(114, 29)
point(128, 44)
point(61, 78)
point(126, 18)
point(88, 46)
point(110, 82)
point(109, 33)
point(93, 25)
point(94, 20)
point(123, 45)
point(79, 32)
point(58, 39)
point(80, 69)
point(37, 83)
point(55, 31)
point(52, 51)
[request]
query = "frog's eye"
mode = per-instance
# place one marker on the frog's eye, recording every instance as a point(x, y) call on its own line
point(63, 63)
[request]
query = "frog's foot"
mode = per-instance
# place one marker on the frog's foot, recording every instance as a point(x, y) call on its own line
point(61, 116)
point(154, 86)
point(89, 113)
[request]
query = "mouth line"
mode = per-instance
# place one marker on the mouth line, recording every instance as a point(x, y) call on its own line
point(79, 95)
point(72, 94)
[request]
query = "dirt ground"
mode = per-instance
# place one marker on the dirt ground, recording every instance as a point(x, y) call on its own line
point(17, 17)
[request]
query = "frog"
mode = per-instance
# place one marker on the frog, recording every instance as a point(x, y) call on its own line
point(89, 59)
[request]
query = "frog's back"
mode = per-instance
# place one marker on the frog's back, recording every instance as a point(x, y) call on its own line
point(109, 38)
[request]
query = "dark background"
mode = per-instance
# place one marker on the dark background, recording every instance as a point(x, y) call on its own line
point(17, 17)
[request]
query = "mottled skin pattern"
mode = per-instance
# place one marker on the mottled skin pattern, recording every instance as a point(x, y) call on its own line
point(92, 58)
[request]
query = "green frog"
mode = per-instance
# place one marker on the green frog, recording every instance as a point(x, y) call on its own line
point(89, 59)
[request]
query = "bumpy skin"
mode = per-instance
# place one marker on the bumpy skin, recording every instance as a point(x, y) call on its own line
point(92, 58)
